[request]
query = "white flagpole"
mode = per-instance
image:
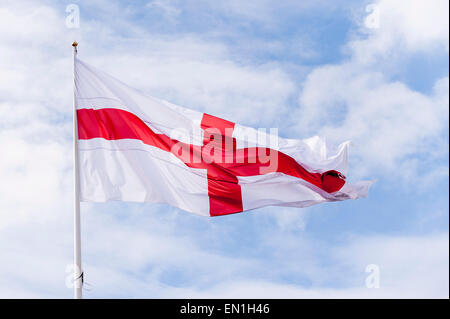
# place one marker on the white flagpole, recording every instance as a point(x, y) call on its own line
point(78, 272)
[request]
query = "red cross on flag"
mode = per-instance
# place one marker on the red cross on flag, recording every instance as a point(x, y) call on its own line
point(133, 147)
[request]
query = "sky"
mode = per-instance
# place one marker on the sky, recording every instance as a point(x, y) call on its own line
point(373, 72)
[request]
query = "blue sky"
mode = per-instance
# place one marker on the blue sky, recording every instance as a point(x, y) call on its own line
point(306, 67)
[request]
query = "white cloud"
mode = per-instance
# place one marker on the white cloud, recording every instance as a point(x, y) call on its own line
point(169, 11)
point(411, 25)
point(410, 267)
point(386, 121)
point(396, 131)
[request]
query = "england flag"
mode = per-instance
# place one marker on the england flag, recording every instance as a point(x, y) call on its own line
point(134, 147)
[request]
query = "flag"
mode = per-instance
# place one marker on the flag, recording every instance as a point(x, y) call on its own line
point(137, 148)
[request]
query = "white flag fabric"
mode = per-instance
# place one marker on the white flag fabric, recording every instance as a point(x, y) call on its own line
point(138, 148)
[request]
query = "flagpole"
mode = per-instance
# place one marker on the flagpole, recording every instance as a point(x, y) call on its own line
point(78, 272)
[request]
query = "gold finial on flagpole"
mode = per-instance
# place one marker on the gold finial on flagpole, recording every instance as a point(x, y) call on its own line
point(75, 47)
